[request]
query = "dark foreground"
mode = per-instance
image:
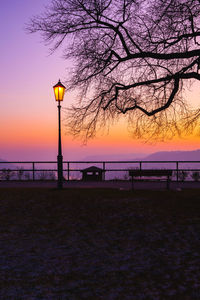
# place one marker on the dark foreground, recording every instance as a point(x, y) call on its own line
point(99, 244)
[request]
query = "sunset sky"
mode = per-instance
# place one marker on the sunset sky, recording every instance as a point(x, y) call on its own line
point(28, 120)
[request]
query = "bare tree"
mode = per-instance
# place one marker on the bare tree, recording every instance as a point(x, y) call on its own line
point(131, 57)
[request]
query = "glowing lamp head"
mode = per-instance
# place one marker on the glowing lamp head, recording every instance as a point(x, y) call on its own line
point(59, 91)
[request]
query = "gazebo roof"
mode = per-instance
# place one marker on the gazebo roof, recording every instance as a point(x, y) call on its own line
point(92, 169)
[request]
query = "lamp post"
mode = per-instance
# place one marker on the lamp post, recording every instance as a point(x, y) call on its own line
point(59, 90)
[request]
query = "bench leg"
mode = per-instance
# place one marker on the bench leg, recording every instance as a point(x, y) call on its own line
point(168, 182)
point(132, 184)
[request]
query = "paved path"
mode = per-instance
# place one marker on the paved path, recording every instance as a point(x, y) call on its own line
point(126, 185)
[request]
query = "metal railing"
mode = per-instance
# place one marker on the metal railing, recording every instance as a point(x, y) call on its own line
point(47, 170)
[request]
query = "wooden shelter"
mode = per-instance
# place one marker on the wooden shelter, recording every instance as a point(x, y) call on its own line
point(92, 174)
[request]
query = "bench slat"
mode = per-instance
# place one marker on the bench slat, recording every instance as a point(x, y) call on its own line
point(135, 173)
point(148, 172)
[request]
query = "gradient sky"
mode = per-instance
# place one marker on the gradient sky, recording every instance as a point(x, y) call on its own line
point(28, 113)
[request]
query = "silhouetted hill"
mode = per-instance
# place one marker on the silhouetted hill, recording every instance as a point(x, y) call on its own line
point(174, 155)
point(156, 156)
point(5, 165)
point(115, 157)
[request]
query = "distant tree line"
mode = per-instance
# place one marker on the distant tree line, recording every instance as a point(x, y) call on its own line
point(22, 175)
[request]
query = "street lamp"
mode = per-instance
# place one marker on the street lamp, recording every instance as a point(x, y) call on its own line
point(59, 91)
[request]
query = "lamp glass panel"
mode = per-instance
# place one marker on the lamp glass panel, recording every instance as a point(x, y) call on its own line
point(56, 93)
point(59, 93)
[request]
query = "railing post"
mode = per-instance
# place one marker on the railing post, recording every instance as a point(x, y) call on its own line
point(177, 171)
point(104, 170)
point(68, 171)
point(140, 168)
point(33, 171)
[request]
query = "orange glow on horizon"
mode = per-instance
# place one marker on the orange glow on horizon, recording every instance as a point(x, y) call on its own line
point(39, 134)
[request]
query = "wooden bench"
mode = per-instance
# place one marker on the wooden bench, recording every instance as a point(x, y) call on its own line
point(150, 173)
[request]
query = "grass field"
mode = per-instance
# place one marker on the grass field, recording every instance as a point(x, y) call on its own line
point(99, 244)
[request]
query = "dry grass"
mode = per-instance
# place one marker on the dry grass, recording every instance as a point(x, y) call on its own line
point(99, 244)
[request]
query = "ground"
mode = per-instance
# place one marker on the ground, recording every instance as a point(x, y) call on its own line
point(99, 244)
